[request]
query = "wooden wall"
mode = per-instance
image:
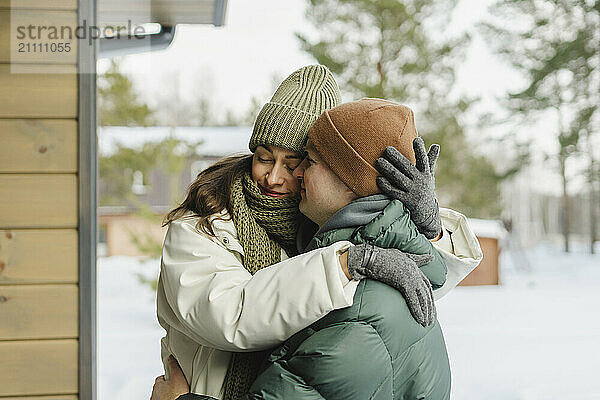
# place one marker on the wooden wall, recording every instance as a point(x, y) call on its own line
point(38, 211)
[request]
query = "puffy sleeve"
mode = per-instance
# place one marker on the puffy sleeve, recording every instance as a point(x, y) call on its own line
point(216, 302)
point(459, 248)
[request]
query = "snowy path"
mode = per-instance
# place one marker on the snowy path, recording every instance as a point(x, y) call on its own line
point(535, 337)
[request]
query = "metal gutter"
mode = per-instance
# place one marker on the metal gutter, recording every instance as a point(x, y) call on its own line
point(220, 8)
point(120, 47)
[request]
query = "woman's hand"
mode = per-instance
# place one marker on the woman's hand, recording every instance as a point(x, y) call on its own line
point(413, 185)
point(399, 270)
point(344, 264)
point(174, 387)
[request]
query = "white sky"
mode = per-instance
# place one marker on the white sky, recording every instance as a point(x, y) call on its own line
point(231, 64)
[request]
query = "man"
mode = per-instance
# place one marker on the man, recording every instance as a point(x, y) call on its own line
point(373, 349)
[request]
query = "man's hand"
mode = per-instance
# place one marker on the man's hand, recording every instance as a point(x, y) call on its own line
point(413, 185)
point(174, 387)
point(399, 270)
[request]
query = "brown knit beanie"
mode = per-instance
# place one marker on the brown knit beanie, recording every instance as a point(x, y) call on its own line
point(352, 136)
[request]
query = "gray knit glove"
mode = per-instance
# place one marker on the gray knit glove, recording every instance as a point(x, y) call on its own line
point(413, 185)
point(398, 270)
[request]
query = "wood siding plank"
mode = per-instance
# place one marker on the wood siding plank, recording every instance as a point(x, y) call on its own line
point(14, 31)
point(59, 397)
point(28, 200)
point(38, 145)
point(38, 367)
point(38, 312)
point(39, 4)
point(38, 256)
point(38, 91)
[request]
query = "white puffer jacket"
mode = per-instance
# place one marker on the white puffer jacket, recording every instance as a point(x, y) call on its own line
point(210, 305)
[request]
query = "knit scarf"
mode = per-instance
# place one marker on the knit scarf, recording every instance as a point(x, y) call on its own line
point(264, 225)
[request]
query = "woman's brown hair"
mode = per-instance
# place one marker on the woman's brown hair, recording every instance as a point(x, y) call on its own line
point(210, 192)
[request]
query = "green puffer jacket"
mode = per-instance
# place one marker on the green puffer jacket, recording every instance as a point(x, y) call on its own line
point(373, 349)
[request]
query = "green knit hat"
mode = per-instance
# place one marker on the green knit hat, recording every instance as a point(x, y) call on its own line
point(296, 104)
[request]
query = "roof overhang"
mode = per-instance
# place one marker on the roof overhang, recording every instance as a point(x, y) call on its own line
point(164, 12)
point(125, 16)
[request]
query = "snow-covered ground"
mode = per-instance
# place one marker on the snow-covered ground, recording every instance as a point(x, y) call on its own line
point(128, 332)
point(534, 337)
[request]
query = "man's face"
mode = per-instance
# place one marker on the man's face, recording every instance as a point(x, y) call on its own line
point(322, 192)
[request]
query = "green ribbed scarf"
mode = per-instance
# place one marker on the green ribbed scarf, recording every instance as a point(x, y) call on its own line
point(264, 225)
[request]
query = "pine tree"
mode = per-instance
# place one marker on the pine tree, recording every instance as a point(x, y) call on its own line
point(118, 103)
point(556, 45)
point(387, 49)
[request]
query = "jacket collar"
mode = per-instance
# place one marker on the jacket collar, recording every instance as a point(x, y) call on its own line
point(357, 213)
point(223, 222)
